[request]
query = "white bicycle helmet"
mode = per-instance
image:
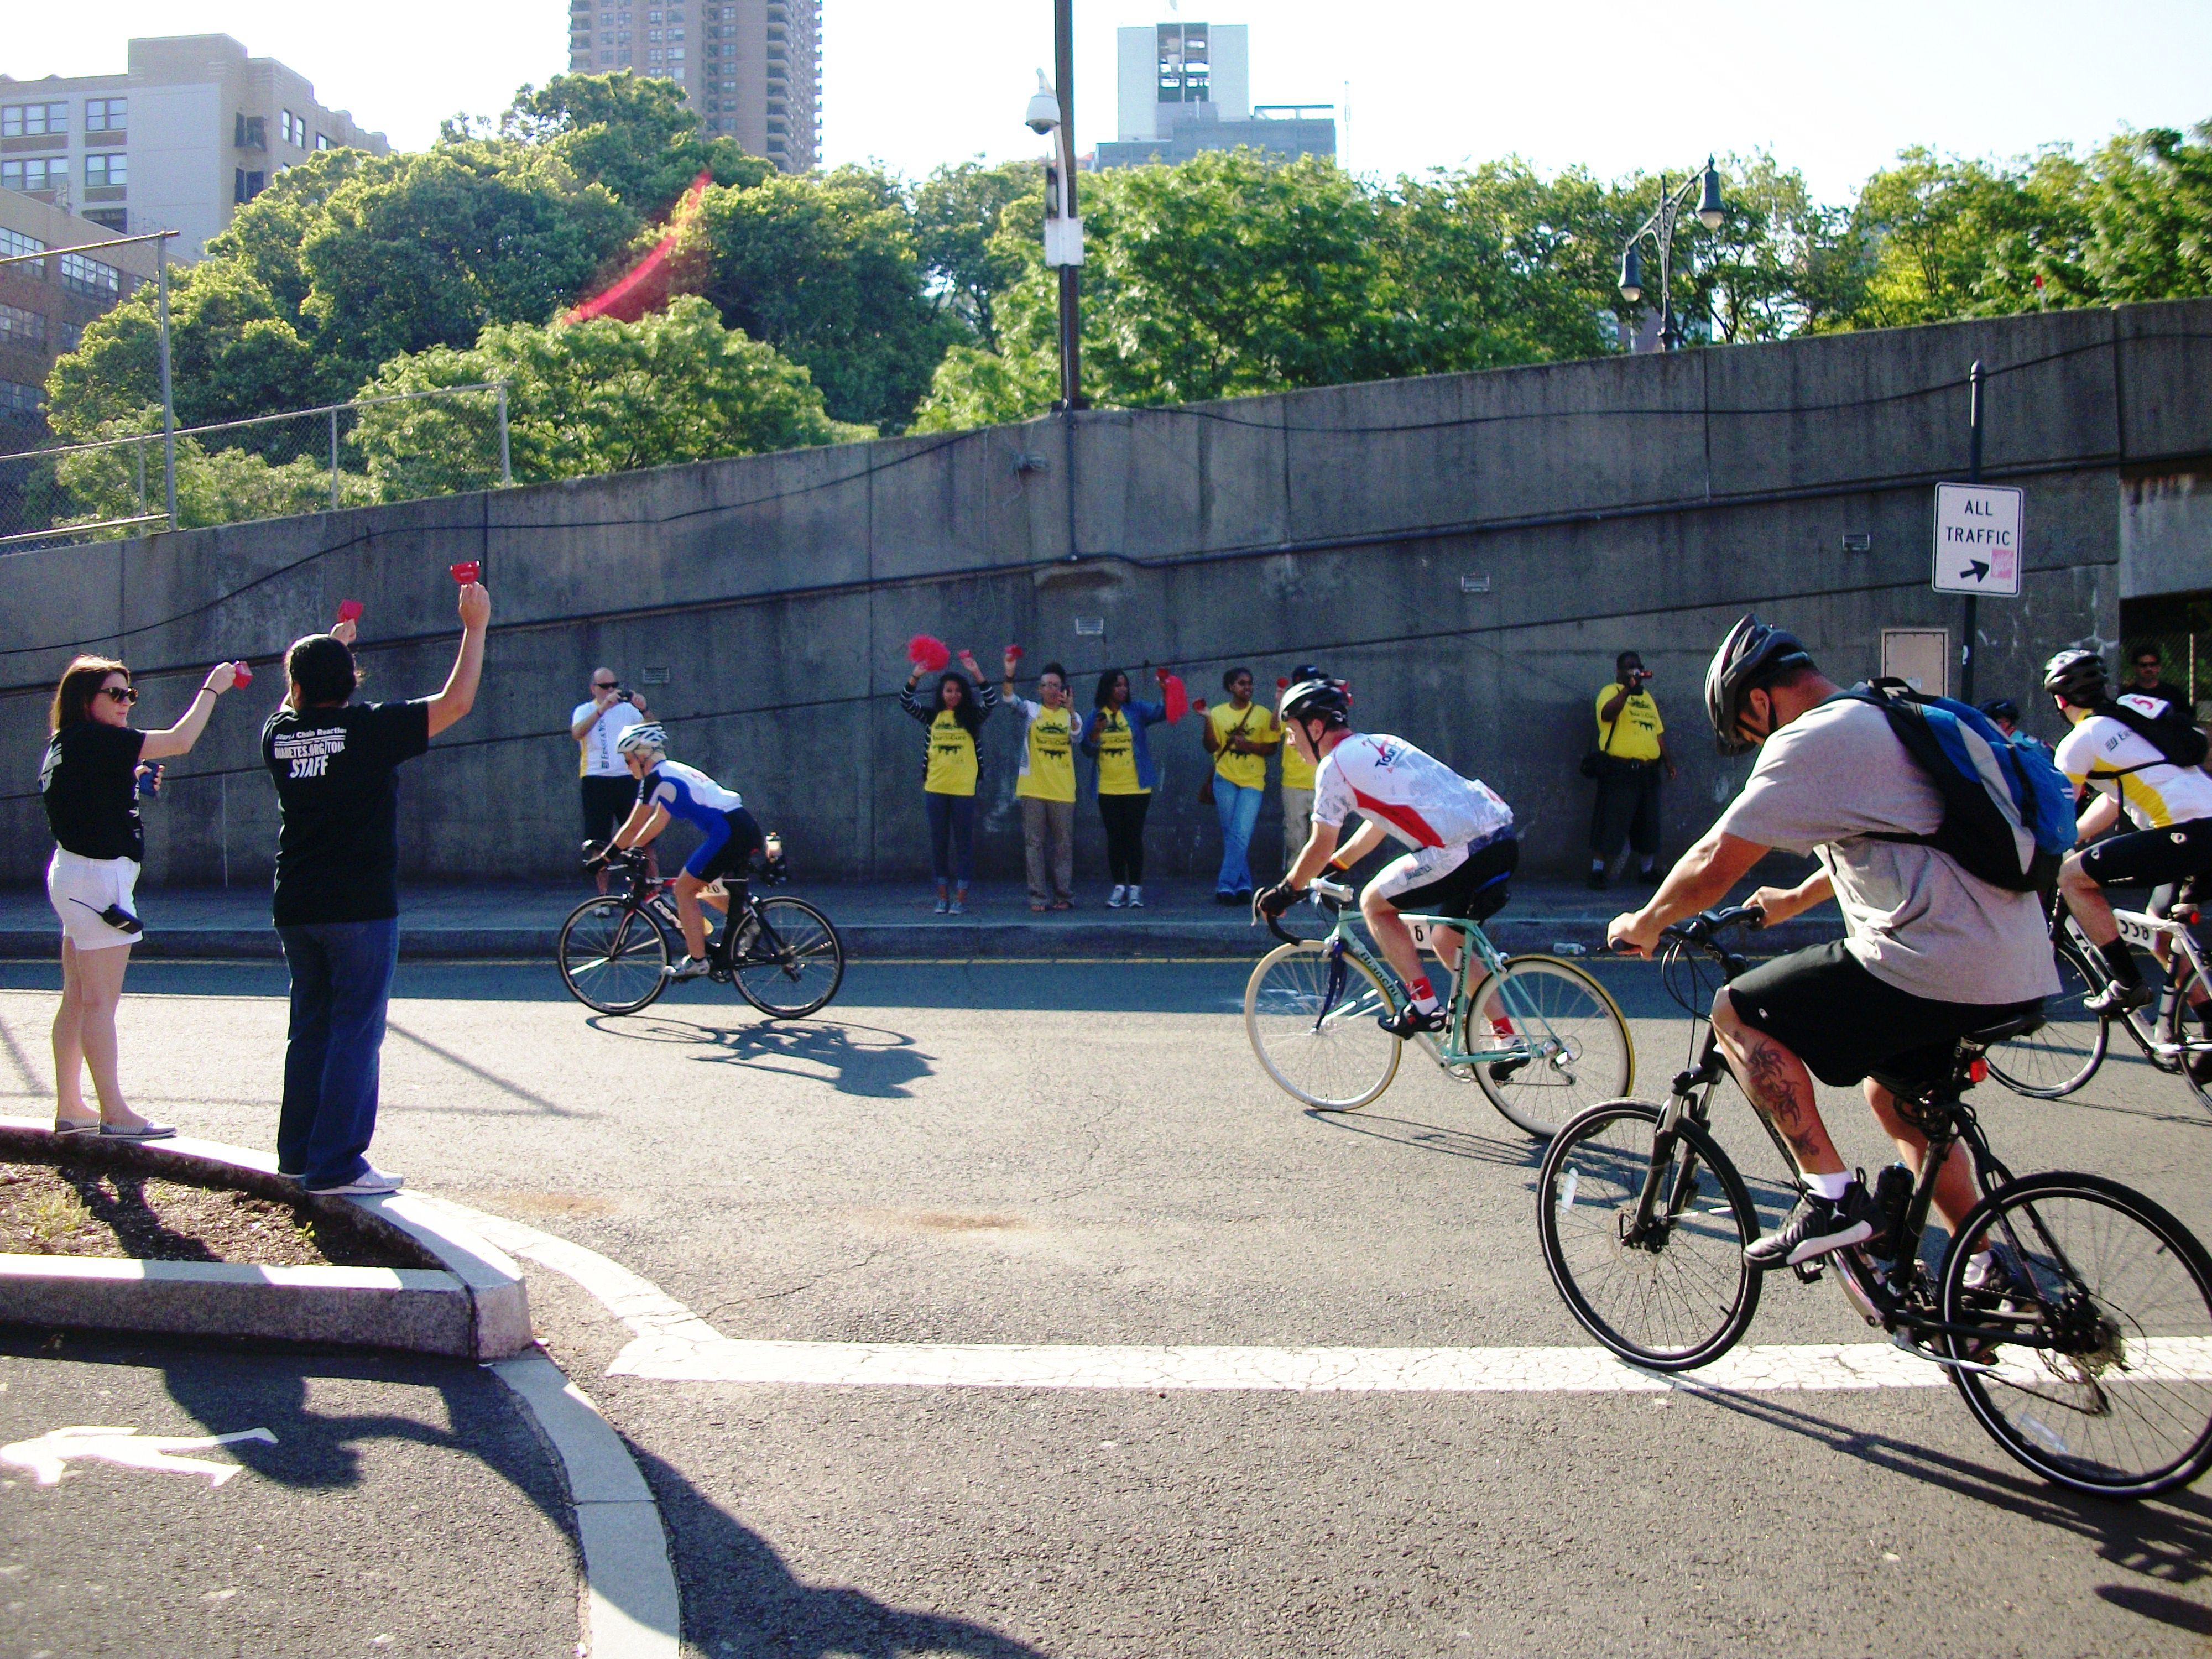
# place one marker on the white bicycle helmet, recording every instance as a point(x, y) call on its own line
point(647, 734)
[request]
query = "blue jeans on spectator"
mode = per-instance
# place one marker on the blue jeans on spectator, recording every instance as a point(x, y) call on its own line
point(341, 982)
point(952, 837)
point(1238, 808)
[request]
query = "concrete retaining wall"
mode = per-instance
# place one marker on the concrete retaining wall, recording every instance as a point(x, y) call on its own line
point(1638, 503)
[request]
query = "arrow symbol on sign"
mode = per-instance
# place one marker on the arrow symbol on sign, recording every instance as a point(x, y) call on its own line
point(1976, 569)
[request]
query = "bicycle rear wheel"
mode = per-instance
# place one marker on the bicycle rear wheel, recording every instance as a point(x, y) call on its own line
point(2064, 1052)
point(612, 957)
point(1585, 1054)
point(1313, 1027)
point(2128, 1411)
point(789, 961)
point(2180, 1028)
point(1678, 1298)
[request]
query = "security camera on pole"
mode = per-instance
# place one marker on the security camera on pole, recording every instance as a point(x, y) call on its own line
point(1048, 117)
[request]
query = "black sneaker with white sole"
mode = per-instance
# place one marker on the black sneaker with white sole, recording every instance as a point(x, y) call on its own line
point(1816, 1227)
point(1409, 1019)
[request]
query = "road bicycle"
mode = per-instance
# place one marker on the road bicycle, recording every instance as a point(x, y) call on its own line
point(1540, 1036)
point(2054, 1061)
point(782, 954)
point(2085, 1353)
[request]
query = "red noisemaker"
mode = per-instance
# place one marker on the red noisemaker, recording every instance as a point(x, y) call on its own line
point(349, 610)
point(241, 675)
point(466, 572)
point(1014, 650)
point(927, 654)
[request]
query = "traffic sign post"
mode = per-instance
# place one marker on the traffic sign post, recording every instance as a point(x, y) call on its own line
point(1977, 539)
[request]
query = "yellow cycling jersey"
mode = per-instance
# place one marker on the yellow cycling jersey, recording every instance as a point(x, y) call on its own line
point(2107, 755)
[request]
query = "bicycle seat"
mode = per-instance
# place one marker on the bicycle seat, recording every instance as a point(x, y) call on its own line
point(1918, 1074)
point(1990, 1036)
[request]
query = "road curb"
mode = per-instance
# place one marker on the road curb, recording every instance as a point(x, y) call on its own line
point(470, 1305)
point(633, 1610)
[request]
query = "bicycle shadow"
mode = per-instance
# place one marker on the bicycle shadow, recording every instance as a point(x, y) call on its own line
point(2167, 1540)
point(867, 1060)
point(1517, 1152)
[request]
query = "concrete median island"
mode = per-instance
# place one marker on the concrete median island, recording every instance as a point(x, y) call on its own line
point(412, 1278)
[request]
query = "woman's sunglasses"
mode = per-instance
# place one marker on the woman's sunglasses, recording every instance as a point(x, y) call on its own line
point(120, 693)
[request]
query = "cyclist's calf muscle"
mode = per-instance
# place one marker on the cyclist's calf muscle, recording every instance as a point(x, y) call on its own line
point(1778, 1087)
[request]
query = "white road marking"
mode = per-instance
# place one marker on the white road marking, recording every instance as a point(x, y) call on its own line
point(47, 1458)
point(671, 1343)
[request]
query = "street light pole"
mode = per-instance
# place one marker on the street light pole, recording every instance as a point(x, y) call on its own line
point(1071, 326)
point(1660, 227)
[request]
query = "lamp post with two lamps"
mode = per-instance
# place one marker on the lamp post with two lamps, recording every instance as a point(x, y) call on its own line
point(1711, 212)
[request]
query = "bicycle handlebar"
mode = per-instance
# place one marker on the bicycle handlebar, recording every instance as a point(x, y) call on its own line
point(1707, 925)
point(1331, 894)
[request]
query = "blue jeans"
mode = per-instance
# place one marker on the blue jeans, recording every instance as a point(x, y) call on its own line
point(1238, 809)
point(952, 837)
point(341, 981)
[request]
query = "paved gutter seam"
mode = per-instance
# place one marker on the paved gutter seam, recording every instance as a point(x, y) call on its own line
point(633, 1610)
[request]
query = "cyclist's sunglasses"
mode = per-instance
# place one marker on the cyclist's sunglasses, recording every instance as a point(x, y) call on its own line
point(120, 693)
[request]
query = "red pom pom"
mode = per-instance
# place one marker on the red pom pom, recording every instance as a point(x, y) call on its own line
point(349, 610)
point(1177, 700)
point(1013, 651)
point(927, 654)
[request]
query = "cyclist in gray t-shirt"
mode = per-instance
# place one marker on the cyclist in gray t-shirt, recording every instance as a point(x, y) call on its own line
point(1930, 953)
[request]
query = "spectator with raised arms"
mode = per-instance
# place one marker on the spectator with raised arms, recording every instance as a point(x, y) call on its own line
point(954, 715)
point(1045, 785)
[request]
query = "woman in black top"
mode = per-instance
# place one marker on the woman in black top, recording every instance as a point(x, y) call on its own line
point(89, 783)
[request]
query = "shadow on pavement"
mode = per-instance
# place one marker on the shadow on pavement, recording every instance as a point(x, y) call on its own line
point(739, 1597)
point(858, 1059)
point(1515, 1151)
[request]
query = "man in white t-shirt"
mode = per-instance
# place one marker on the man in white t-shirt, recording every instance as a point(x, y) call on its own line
point(1463, 848)
point(1930, 953)
point(609, 791)
point(2170, 805)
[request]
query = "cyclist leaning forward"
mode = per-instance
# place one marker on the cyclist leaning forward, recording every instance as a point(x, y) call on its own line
point(728, 837)
point(2170, 805)
point(1929, 952)
point(1464, 847)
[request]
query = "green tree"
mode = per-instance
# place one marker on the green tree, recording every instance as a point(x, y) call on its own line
point(824, 269)
point(2149, 213)
point(957, 214)
point(633, 134)
point(588, 398)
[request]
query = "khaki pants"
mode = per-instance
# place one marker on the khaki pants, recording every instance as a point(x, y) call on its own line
point(1298, 822)
point(1048, 843)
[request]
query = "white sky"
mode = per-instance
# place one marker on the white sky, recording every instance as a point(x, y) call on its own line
point(1835, 90)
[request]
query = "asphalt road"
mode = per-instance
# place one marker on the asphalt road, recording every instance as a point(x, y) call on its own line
point(1087, 1153)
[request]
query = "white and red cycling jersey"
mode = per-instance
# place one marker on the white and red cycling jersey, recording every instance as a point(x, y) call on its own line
point(1411, 794)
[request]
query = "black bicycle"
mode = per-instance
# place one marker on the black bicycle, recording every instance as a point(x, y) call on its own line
point(2086, 1351)
point(782, 954)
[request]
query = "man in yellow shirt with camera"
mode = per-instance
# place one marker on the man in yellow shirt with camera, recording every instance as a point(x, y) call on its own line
point(1631, 750)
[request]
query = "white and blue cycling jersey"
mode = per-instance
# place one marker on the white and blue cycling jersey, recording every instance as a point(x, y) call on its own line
point(684, 792)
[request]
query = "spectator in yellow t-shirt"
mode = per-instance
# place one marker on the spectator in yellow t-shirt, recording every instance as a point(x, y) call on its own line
point(1240, 735)
point(1298, 777)
point(953, 716)
point(1045, 786)
point(1632, 749)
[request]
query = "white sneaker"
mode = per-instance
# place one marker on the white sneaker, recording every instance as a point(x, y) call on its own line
point(1118, 897)
point(689, 968)
point(1136, 898)
point(371, 1183)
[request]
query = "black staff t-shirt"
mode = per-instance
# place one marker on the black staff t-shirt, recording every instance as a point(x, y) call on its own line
point(338, 850)
point(90, 784)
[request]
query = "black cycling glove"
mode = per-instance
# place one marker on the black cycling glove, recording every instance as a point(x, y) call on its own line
point(1272, 901)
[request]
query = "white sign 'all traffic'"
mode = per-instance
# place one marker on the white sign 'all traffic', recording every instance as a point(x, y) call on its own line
point(1978, 548)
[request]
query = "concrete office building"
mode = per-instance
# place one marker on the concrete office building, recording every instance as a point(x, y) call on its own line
point(45, 303)
point(752, 69)
point(1184, 87)
point(191, 130)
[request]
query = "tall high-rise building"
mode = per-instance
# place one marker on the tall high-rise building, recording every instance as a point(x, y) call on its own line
point(191, 130)
point(752, 69)
point(1184, 87)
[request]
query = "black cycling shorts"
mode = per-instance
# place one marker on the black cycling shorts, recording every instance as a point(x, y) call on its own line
point(734, 856)
point(1474, 884)
point(1825, 1007)
point(2151, 856)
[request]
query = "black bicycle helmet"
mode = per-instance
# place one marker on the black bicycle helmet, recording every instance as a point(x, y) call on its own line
point(1749, 657)
point(2001, 708)
point(2077, 677)
point(1320, 699)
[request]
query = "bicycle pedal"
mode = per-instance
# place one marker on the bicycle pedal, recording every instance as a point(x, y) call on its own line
point(1809, 1273)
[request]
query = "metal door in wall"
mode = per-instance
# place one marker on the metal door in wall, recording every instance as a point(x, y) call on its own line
point(1921, 657)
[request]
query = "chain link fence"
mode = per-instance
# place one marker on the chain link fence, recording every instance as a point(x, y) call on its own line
point(402, 448)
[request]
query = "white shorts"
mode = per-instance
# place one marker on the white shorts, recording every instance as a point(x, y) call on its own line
point(80, 889)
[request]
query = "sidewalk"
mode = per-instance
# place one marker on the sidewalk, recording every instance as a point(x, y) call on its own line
point(878, 922)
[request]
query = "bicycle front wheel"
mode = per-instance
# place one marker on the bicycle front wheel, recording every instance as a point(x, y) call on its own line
point(2121, 1405)
point(613, 958)
point(789, 961)
point(2064, 1052)
point(2180, 1028)
point(1676, 1294)
point(1312, 1025)
point(1583, 1052)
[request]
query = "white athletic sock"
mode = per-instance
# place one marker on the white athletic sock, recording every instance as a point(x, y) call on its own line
point(1829, 1187)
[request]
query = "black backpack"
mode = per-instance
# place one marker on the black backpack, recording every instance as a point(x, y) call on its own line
point(2160, 724)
